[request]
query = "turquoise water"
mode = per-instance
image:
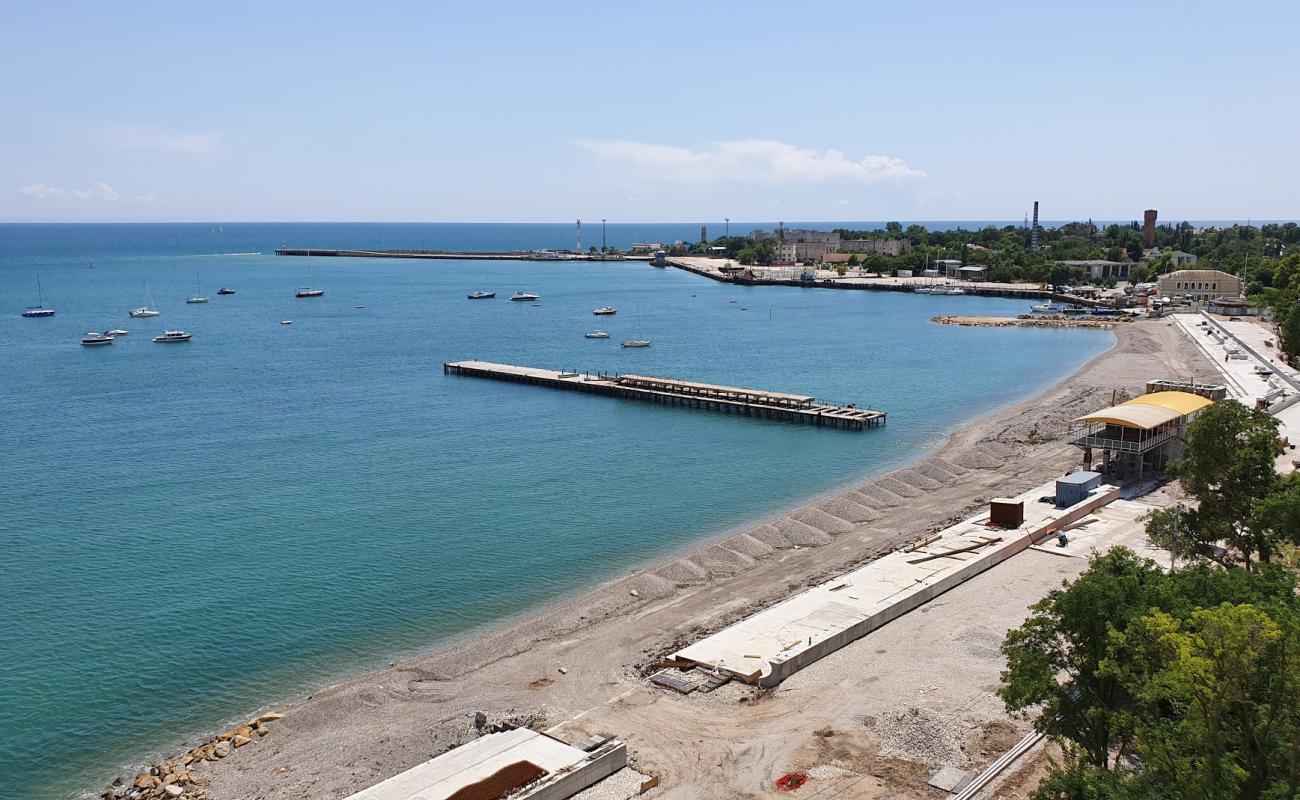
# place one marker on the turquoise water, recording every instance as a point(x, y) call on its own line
point(190, 532)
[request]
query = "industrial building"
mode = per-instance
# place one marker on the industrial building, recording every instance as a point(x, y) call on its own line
point(521, 764)
point(1201, 284)
point(1100, 269)
point(1138, 436)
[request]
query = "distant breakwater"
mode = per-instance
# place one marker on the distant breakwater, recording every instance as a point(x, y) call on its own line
point(455, 256)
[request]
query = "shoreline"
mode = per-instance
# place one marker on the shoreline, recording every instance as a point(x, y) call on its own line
point(795, 542)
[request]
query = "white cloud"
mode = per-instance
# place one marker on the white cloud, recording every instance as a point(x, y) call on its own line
point(145, 137)
point(101, 192)
point(97, 191)
point(754, 160)
point(40, 191)
point(144, 197)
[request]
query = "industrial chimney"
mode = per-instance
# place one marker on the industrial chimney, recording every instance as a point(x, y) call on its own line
point(1033, 232)
point(1149, 227)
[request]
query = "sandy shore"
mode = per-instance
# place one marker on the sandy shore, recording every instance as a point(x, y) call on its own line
point(584, 658)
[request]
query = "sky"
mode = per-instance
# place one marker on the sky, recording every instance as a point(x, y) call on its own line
point(649, 112)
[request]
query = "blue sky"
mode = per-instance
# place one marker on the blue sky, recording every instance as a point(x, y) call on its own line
point(657, 111)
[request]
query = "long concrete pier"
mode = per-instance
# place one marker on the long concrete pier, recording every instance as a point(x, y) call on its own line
point(670, 391)
point(513, 255)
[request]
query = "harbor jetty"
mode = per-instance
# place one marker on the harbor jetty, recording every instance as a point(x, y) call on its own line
point(689, 394)
point(513, 255)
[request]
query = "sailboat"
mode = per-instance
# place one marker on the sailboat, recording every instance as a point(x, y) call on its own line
point(637, 342)
point(198, 292)
point(39, 310)
point(305, 292)
point(145, 310)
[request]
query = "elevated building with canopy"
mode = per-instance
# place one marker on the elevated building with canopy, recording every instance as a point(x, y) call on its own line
point(1138, 436)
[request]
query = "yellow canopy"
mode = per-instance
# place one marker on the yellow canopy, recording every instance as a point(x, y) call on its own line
point(1149, 411)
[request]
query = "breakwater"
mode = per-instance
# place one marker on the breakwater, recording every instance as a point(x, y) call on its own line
point(1027, 321)
point(515, 255)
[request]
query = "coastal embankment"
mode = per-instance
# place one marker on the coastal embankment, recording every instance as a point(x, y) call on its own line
point(581, 662)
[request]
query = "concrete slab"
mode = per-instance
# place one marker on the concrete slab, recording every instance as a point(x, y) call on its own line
point(771, 645)
point(950, 779)
point(566, 768)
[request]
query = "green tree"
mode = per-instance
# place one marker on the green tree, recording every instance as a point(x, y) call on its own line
point(1228, 469)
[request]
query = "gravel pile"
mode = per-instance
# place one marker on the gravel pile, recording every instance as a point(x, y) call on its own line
point(892, 484)
point(876, 497)
point(847, 510)
point(801, 533)
point(822, 521)
point(749, 545)
point(921, 734)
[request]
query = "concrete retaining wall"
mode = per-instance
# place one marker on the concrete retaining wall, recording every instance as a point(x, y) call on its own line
point(605, 761)
point(784, 668)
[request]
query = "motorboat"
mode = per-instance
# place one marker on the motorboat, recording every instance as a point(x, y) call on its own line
point(923, 290)
point(286, 322)
point(955, 290)
point(309, 293)
point(636, 343)
point(196, 299)
point(95, 338)
point(170, 337)
point(596, 335)
point(39, 310)
point(224, 291)
point(605, 311)
point(115, 332)
point(1044, 308)
point(482, 295)
point(522, 297)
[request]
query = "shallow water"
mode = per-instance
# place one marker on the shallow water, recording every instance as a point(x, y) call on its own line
point(192, 531)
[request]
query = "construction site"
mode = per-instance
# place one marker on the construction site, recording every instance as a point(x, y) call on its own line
point(848, 648)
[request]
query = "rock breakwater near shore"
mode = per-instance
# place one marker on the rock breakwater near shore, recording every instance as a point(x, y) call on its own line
point(1027, 321)
point(177, 778)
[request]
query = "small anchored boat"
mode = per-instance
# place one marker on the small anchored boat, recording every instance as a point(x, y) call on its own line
point(636, 343)
point(224, 291)
point(605, 311)
point(482, 295)
point(145, 310)
point(95, 339)
point(596, 335)
point(116, 332)
point(171, 337)
point(197, 297)
point(523, 297)
point(309, 293)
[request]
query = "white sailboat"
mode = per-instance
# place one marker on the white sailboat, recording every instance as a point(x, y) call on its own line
point(197, 297)
point(305, 292)
point(147, 309)
point(39, 310)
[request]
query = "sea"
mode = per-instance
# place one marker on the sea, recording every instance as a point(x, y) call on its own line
point(192, 532)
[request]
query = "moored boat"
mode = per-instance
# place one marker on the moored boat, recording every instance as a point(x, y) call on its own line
point(605, 311)
point(482, 295)
point(116, 332)
point(147, 309)
point(521, 297)
point(224, 291)
point(309, 293)
point(95, 338)
point(169, 337)
point(39, 310)
point(636, 343)
point(596, 335)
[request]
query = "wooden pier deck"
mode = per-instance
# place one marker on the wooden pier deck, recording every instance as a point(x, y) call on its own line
point(727, 399)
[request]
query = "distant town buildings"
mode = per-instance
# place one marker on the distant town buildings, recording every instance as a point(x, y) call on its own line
point(875, 247)
point(1100, 269)
point(1176, 257)
point(1199, 284)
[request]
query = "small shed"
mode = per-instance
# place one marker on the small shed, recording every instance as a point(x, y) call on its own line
point(1074, 488)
